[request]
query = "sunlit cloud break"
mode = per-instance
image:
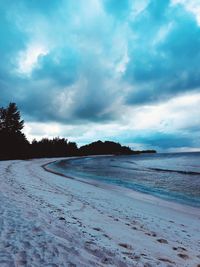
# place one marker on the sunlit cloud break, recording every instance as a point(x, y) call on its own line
point(28, 59)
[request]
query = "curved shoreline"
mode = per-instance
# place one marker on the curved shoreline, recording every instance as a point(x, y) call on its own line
point(77, 223)
point(126, 191)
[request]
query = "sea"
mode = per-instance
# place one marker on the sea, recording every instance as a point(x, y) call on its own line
point(169, 176)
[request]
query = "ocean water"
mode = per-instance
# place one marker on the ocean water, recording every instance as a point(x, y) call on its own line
point(170, 176)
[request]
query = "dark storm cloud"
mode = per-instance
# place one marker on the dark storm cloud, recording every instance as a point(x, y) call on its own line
point(70, 70)
point(72, 62)
point(163, 49)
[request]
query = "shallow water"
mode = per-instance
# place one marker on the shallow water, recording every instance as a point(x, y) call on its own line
point(172, 176)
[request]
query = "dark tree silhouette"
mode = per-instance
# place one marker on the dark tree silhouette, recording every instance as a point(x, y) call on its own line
point(107, 147)
point(56, 147)
point(13, 142)
point(10, 119)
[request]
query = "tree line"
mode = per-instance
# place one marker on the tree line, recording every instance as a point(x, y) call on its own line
point(14, 144)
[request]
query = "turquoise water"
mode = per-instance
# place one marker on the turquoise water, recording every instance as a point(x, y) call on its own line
point(172, 176)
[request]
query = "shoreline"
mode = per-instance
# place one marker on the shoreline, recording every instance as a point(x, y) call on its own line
point(126, 191)
point(49, 220)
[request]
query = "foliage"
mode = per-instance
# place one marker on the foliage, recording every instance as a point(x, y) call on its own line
point(56, 147)
point(10, 119)
point(107, 147)
point(13, 142)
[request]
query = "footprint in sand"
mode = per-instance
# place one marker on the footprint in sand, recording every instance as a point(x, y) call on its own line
point(183, 256)
point(151, 234)
point(61, 219)
point(107, 260)
point(179, 249)
point(132, 256)
point(162, 241)
point(166, 260)
point(134, 228)
point(97, 229)
point(125, 245)
point(107, 236)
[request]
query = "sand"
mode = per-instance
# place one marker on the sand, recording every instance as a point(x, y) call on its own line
point(50, 220)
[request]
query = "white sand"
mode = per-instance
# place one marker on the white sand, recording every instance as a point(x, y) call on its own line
point(49, 220)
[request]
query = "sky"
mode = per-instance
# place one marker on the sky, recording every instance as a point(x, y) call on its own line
point(121, 70)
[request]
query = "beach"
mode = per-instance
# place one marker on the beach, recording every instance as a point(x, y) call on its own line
point(50, 220)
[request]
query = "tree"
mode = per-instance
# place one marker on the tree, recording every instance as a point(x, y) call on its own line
point(107, 147)
point(13, 142)
point(10, 119)
point(56, 147)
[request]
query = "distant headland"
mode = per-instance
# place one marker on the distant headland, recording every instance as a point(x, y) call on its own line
point(109, 147)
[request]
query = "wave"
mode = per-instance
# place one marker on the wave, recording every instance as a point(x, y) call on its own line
point(131, 162)
point(156, 169)
point(128, 168)
point(175, 171)
point(138, 168)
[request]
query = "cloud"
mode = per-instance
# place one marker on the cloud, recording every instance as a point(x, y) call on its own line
point(62, 65)
point(29, 58)
point(108, 64)
point(191, 6)
point(170, 126)
point(118, 9)
point(158, 67)
point(163, 140)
